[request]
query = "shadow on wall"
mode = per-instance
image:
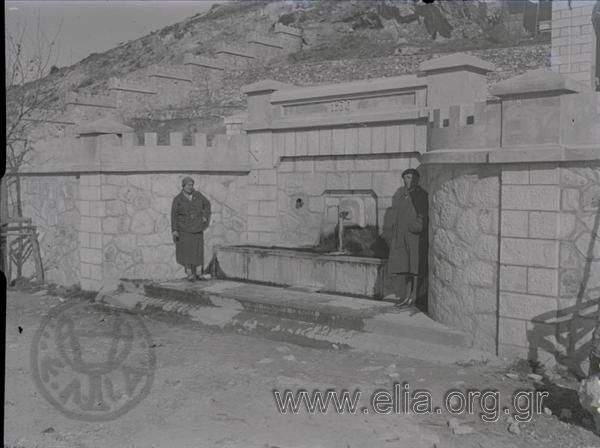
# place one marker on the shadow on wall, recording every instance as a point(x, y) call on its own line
point(562, 334)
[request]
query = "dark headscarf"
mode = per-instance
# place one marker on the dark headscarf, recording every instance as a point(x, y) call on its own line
point(411, 171)
point(185, 180)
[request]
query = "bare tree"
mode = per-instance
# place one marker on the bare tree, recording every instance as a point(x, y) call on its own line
point(30, 55)
point(29, 58)
point(595, 349)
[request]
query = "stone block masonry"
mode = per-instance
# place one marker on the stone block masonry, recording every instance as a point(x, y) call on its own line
point(530, 205)
point(557, 279)
point(574, 41)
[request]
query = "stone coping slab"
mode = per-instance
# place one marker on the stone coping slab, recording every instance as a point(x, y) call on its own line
point(524, 154)
point(265, 86)
point(371, 86)
point(349, 119)
point(541, 81)
point(301, 254)
point(457, 61)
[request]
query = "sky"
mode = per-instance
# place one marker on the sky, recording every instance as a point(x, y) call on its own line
point(94, 26)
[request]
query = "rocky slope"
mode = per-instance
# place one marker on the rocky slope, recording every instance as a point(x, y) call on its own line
point(341, 41)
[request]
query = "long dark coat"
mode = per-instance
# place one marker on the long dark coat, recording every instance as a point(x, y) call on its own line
point(407, 235)
point(190, 218)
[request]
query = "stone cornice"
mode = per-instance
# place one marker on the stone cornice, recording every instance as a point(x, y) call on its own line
point(316, 121)
point(517, 154)
point(365, 88)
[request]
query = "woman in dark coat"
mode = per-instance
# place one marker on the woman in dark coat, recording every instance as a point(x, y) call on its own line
point(190, 217)
point(407, 238)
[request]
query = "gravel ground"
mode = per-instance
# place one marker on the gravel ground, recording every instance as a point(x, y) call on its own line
point(216, 390)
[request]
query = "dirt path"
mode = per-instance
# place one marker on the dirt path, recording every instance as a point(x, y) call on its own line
point(216, 390)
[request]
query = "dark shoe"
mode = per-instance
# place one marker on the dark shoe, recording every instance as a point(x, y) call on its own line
point(191, 278)
point(408, 302)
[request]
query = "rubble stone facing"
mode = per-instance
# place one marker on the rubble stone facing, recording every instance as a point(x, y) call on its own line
point(579, 268)
point(54, 206)
point(463, 248)
point(138, 243)
point(101, 228)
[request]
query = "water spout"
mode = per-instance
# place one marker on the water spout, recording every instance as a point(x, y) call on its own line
point(342, 215)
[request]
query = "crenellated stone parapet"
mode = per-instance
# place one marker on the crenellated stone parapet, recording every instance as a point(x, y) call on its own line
point(538, 116)
point(116, 150)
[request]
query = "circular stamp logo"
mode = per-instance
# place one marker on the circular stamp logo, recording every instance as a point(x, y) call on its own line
point(93, 362)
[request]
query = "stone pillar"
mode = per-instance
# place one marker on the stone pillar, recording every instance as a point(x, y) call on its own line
point(574, 41)
point(463, 248)
point(531, 107)
point(455, 79)
point(263, 222)
point(91, 208)
point(234, 124)
point(529, 260)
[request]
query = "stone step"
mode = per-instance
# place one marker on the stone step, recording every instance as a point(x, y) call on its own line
point(334, 311)
point(220, 313)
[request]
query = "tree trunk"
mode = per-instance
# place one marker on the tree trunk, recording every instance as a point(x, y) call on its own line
point(3, 220)
point(18, 195)
point(596, 26)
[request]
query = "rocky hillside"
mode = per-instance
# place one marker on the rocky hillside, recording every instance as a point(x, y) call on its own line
point(344, 40)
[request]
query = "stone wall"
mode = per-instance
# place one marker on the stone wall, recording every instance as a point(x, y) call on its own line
point(510, 61)
point(464, 217)
point(514, 250)
point(99, 228)
point(102, 203)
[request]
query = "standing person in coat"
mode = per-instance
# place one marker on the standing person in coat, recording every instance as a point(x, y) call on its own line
point(407, 237)
point(190, 217)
